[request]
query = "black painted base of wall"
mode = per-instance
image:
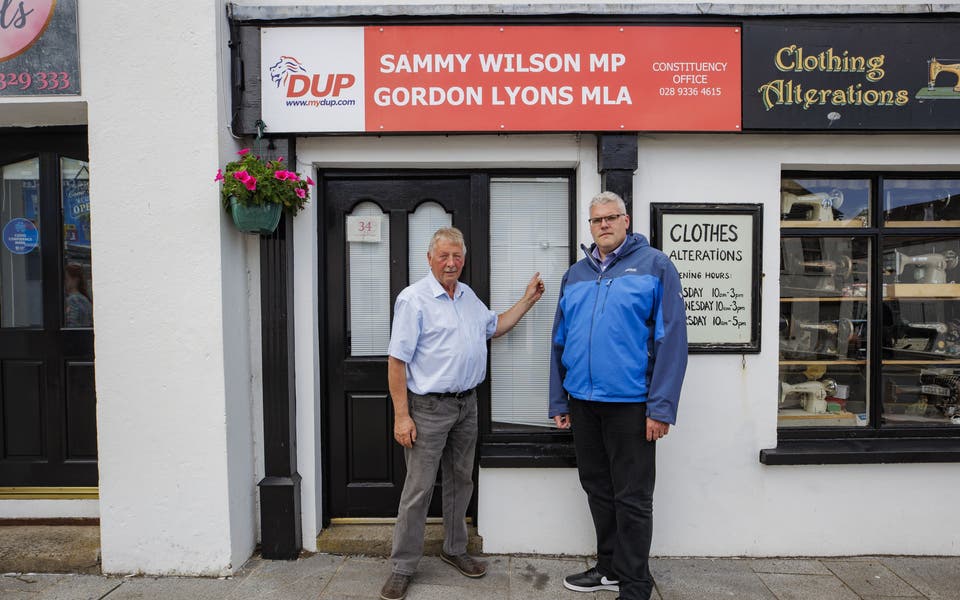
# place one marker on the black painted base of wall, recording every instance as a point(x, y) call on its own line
point(280, 534)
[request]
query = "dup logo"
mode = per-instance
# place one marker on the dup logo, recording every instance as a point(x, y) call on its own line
point(289, 74)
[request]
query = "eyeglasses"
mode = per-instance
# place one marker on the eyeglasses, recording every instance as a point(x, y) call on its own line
point(608, 219)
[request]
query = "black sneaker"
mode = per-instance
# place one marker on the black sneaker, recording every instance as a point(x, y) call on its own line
point(590, 581)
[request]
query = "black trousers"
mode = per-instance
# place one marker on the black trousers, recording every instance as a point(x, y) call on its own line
point(617, 468)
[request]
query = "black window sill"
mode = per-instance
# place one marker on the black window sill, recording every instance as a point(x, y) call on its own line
point(527, 455)
point(862, 451)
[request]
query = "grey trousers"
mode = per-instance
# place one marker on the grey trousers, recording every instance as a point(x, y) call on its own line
point(447, 438)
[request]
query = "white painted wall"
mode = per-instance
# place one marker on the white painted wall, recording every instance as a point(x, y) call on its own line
point(173, 342)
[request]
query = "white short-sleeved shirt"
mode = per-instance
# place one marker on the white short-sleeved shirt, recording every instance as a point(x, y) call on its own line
point(443, 340)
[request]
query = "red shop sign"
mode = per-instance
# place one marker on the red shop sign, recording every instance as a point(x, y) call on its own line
point(509, 78)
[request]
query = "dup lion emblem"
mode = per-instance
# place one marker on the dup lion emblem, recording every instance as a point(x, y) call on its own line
point(281, 71)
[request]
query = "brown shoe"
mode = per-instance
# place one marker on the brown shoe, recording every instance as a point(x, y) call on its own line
point(396, 587)
point(466, 564)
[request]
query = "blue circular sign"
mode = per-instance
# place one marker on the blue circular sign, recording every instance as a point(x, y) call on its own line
point(20, 236)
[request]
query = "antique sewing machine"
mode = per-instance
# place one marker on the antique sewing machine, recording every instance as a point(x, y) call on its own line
point(949, 406)
point(822, 277)
point(915, 399)
point(805, 339)
point(810, 207)
point(938, 393)
point(919, 337)
point(929, 268)
point(813, 394)
point(935, 67)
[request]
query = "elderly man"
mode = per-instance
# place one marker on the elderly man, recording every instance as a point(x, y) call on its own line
point(618, 361)
point(438, 356)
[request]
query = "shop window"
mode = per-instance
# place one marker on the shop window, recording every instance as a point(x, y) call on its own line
point(869, 319)
point(529, 233)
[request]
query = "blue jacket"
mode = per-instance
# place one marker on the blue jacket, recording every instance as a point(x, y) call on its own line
point(620, 335)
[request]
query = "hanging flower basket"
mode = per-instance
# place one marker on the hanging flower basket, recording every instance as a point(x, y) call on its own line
point(254, 218)
point(256, 192)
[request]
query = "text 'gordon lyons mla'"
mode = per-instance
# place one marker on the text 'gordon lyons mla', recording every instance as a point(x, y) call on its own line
point(529, 95)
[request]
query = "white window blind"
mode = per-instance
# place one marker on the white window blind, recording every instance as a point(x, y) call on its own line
point(369, 274)
point(529, 232)
point(421, 225)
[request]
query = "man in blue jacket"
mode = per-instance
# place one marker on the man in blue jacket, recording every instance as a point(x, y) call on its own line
point(617, 364)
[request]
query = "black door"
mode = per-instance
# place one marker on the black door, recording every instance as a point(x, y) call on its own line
point(48, 431)
point(377, 227)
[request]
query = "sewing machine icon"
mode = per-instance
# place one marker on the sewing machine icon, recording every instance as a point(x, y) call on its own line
point(934, 68)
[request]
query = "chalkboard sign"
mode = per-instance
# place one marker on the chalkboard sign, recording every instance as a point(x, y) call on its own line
point(38, 48)
point(716, 249)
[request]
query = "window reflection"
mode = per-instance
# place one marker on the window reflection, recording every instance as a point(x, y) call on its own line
point(77, 273)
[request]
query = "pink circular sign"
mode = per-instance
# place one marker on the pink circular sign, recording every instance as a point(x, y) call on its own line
point(22, 22)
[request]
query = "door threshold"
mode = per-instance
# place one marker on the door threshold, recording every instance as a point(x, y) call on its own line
point(49, 493)
point(381, 520)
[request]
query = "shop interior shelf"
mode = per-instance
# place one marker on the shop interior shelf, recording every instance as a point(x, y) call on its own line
point(828, 299)
point(823, 362)
point(953, 223)
point(908, 291)
point(849, 224)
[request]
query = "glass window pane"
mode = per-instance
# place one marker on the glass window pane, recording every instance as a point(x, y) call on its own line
point(824, 331)
point(422, 224)
point(921, 202)
point(77, 274)
point(921, 331)
point(529, 232)
point(368, 274)
point(21, 290)
point(825, 202)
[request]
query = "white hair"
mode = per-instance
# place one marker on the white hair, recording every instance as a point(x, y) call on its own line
point(450, 234)
point(607, 198)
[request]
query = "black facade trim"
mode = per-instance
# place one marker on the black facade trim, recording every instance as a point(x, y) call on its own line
point(862, 451)
point(280, 518)
point(528, 455)
point(281, 14)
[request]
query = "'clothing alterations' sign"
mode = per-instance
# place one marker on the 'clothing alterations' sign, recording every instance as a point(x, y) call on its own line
point(500, 78)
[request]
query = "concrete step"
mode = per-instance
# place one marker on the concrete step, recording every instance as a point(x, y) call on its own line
point(50, 549)
point(376, 539)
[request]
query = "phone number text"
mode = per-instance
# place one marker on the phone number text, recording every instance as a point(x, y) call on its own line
point(43, 80)
point(691, 91)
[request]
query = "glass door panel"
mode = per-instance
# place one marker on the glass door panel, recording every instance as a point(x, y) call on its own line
point(368, 274)
point(21, 272)
point(422, 224)
point(75, 214)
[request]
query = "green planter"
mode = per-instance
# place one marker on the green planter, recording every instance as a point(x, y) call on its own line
point(261, 219)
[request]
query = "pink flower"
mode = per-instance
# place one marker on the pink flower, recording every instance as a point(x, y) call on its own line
point(251, 183)
point(310, 181)
point(280, 159)
point(301, 193)
point(241, 175)
point(281, 175)
point(244, 151)
point(219, 176)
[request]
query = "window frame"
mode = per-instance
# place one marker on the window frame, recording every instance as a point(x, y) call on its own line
point(532, 447)
point(872, 443)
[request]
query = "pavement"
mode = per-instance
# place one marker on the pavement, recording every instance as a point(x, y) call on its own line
point(343, 577)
